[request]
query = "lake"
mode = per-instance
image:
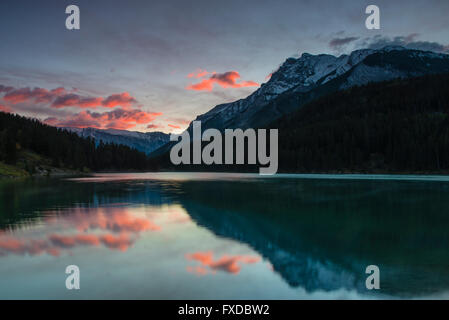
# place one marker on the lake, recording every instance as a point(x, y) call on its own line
point(225, 236)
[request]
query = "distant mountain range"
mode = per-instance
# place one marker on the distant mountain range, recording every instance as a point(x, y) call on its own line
point(298, 81)
point(142, 141)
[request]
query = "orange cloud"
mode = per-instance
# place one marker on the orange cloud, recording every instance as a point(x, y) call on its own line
point(57, 242)
point(60, 98)
point(122, 99)
point(120, 242)
point(122, 118)
point(173, 126)
point(225, 80)
point(38, 95)
point(31, 247)
point(71, 241)
point(87, 239)
point(198, 74)
point(5, 108)
point(11, 244)
point(227, 263)
point(125, 222)
point(198, 270)
point(117, 119)
point(74, 100)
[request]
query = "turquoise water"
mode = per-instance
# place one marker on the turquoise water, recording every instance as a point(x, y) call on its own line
point(225, 236)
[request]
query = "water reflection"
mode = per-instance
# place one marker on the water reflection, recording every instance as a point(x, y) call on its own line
point(230, 264)
point(317, 235)
point(321, 235)
point(113, 227)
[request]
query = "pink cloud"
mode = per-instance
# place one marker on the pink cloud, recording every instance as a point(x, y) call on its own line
point(121, 242)
point(75, 100)
point(109, 219)
point(199, 270)
point(38, 95)
point(198, 74)
point(5, 108)
point(22, 246)
point(225, 80)
point(121, 99)
point(61, 98)
point(116, 119)
point(121, 227)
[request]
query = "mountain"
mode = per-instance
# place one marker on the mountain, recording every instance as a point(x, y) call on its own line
point(298, 81)
point(143, 141)
point(395, 126)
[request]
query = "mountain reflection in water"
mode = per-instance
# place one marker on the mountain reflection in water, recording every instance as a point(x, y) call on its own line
point(318, 235)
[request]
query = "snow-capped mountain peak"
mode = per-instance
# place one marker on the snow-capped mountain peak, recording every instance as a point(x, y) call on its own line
point(312, 75)
point(146, 142)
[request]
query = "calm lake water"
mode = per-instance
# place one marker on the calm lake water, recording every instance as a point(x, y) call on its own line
point(225, 236)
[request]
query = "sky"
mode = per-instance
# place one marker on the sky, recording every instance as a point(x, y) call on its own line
point(155, 65)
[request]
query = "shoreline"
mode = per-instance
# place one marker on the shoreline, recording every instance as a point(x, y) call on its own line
point(60, 173)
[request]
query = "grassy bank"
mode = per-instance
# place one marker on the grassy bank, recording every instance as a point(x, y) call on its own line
point(7, 171)
point(32, 164)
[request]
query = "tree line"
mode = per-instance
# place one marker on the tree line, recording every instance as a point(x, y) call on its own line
point(65, 149)
point(395, 126)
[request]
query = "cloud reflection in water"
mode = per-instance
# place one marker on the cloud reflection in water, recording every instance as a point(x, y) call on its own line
point(228, 263)
point(113, 227)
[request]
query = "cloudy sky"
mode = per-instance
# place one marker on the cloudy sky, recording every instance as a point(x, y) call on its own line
point(154, 65)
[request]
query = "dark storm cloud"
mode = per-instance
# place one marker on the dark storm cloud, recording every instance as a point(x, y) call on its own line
point(337, 43)
point(409, 42)
point(5, 88)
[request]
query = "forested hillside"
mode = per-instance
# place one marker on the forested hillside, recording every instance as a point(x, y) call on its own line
point(395, 126)
point(19, 135)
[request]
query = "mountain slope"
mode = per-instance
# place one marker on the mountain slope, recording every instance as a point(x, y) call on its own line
point(395, 126)
point(302, 80)
point(143, 141)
